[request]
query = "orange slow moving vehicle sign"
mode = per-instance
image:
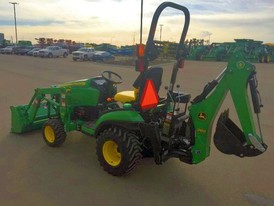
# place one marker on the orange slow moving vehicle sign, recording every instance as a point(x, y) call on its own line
point(149, 97)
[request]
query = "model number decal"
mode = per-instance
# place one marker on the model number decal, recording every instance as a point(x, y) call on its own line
point(199, 130)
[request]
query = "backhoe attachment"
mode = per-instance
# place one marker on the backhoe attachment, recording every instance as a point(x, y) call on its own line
point(229, 138)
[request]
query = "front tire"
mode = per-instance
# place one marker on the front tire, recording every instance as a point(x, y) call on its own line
point(54, 133)
point(118, 151)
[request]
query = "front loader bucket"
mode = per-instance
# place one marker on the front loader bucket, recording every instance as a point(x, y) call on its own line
point(21, 120)
point(229, 138)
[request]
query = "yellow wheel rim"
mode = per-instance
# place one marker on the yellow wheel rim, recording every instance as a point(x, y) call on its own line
point(111, 154)
point(49, 134)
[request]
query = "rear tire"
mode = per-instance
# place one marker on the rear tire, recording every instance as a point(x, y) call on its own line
point(50, 55)
point(65, 55)
point(54, 133)
point(118, 151)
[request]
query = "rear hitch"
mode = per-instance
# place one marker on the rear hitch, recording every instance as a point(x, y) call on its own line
point(229, 139)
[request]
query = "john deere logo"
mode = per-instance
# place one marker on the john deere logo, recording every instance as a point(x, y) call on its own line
point(202, 116)
point(240, 64)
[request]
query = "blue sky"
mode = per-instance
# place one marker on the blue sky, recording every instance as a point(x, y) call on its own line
point(117, 21)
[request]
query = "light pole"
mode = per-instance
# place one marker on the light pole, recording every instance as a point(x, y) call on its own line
point(141, 24)
point(14, 11)
point(161, 25)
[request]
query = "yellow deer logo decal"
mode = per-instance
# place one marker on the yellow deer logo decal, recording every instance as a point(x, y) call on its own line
point(202, 116)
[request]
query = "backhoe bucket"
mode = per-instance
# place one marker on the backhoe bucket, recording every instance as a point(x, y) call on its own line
point(229, 139)
point(21, 120)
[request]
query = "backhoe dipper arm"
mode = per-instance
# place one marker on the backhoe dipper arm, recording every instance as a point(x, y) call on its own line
point(228, 138)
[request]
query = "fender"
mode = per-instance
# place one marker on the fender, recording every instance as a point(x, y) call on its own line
point(122, 118)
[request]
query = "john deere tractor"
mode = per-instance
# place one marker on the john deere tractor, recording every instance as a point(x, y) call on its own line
point(135, 124)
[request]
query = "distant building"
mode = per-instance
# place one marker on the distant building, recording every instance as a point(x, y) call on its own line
point(1, 38)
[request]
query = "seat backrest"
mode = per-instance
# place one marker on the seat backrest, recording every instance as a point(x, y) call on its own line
point(153, 73)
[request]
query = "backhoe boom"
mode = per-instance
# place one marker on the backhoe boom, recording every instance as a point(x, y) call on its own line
point(228, 138)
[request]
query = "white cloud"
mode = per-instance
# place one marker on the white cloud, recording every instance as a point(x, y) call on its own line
point(117, 21)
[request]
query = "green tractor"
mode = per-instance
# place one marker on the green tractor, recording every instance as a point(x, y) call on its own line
point(196, 49)
point(217, 52)
point(254, 51)
point(131, 125)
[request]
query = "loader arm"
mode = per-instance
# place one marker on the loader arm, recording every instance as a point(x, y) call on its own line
point(228, 137)
point(42, 106)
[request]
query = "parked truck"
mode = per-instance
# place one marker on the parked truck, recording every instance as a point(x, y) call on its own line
point(83, 54)
point(53, 51)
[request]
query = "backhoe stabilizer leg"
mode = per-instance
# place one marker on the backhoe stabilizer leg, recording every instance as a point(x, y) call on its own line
point(229, 139)
point(152, 132)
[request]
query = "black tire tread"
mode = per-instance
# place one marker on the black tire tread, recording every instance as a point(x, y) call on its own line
point(58, 128)
point(130, 147)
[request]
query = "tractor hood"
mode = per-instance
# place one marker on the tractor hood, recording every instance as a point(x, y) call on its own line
point(77, 83)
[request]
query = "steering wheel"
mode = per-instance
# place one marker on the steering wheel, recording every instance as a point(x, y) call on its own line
point(112, 77)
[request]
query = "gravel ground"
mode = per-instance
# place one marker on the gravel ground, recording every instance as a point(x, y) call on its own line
point(34, 174)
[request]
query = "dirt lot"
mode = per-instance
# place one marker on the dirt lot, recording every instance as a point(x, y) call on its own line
point(35, 174)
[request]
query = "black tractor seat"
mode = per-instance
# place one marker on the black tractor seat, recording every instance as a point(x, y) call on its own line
point(153, 73)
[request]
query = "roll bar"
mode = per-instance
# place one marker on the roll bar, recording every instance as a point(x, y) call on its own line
point(151, 52)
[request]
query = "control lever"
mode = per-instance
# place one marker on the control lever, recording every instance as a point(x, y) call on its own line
point(169, 94)
point(178, 92)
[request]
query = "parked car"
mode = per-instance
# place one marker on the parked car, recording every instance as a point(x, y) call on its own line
point(25, 50)
point(102, 56)
point(53, 51)
point(17, 49)
point(22, 50)
point(126, 52)
point(30, 53)
point(36, 53)
point(83, 54)
point(2, 50)
point(9, 49)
